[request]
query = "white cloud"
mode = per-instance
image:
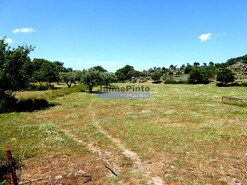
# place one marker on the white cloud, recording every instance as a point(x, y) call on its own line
point(23, 30)
point(205, 37)
point(7, 40)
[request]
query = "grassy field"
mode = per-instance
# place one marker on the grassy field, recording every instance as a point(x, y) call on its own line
point(183, 134)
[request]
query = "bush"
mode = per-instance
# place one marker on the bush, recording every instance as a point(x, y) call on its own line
point(33, 87)
point(225, 76)
point(199, 76)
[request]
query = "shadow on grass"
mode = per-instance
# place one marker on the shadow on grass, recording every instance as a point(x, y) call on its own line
point(232, 84)
point(30, 105)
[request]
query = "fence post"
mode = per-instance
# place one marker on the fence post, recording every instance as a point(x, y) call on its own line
point(11, 167)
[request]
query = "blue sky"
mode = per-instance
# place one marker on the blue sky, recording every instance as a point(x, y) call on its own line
point(113, 33)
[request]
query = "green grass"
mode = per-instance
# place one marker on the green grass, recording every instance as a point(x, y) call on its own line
point(183, 126)
point(50, 94)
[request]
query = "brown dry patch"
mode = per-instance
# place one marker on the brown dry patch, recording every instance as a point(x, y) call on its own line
point(215, 167)
point(64, 170)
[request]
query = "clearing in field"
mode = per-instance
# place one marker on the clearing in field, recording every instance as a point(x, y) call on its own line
point(183, 134)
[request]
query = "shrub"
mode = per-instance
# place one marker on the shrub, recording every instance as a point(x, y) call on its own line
point(225, 76)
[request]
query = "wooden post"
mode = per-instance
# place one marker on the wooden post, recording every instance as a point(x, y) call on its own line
point(11, 167)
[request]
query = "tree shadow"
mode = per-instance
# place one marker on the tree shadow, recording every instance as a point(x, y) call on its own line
point(242, 84)
point(11, 104)
point(30, 105)
point(157, 82)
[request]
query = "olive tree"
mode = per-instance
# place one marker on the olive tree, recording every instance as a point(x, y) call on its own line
point(91, 78)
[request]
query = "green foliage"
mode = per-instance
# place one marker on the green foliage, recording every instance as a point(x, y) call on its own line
point(48, 72)
point(15, 71)
point(70, 77)
point(211, 64)
point(92, 78)
point(14, 67)
point(108, 78)
point(170, 73)
point(169, 79)
point(61, 92)
point(232, 61)
point(172, 81)
point(201, 75)
point(196, 64)
point(156, 76)
point(188, 69)
point(225, 76)
point(59, 66)
point(44, 70)
point(99, 68)
point(124, 73)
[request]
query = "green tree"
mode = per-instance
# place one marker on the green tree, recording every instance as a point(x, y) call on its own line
point(188, 69)
point(59, 66)
point(156, 76)
point(211, 64)
point(70, 77)
point(225, 76)
point(99, 68)
point(91, 78)
point(108, 78)
point(196, 64)
point(124, 73)
point(200, 76)
point(15, 71)
point(67, 77)
point(36, 66)
point(49, 73)
point(45, 71)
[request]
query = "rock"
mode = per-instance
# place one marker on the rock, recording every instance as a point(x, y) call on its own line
point(80, 173)
point(58, 177)
point(235, 181)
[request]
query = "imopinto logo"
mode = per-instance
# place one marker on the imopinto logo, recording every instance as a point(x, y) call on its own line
point(127, 88)
point(129, 91)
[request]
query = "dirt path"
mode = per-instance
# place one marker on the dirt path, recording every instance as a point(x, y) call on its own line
point(138, 165)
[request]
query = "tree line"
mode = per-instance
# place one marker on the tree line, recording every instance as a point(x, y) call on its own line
point(18, 71)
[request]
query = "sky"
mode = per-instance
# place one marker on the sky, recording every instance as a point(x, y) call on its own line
point(113, 33)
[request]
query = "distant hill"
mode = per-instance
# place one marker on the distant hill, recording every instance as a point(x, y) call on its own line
point(238, 66)
point(242, 59)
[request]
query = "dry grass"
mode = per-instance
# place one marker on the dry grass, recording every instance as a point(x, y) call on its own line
point(183, 133)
